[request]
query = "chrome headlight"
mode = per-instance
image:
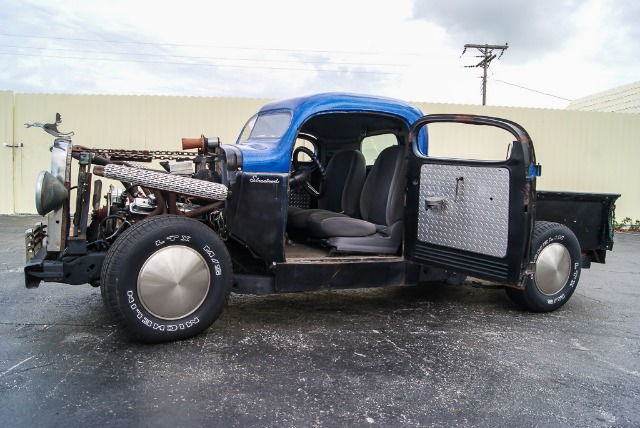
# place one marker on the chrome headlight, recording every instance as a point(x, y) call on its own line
point(50, 193)
point(57, 224)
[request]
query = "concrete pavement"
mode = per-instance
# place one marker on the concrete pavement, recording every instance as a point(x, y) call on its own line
point(435, 355)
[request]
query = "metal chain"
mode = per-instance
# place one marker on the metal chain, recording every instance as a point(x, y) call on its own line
point(140, 155)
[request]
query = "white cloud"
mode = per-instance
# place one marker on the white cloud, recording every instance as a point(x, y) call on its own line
point(284, 48)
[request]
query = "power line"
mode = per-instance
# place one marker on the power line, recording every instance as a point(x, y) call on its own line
point(201, 64)
point(210, 46)
point(201, 57)
point(487, 56)
point(532, 90)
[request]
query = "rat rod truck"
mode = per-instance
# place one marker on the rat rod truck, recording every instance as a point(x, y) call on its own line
point(295, 205)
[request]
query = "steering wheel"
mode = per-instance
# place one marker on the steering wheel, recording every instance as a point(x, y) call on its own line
point(301, 174)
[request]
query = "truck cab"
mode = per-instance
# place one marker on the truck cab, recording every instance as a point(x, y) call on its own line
point(328, 191)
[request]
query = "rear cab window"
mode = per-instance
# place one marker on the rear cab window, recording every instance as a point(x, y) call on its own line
point(372, 146)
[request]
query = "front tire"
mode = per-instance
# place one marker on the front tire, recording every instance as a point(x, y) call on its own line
point(166, 278)
point(557, 264)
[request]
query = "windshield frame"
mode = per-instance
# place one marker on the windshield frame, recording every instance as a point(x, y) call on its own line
point(265, 122)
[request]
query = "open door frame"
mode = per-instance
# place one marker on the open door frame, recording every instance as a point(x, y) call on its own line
point(458, 217)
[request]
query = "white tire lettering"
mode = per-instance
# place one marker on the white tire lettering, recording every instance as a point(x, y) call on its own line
point(560, 298)
point(154, 325)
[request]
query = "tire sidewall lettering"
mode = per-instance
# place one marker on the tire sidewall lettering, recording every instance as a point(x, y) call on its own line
point(171, 239)
point(130, 253)
point(554, 239)
point(159, 325)
point(212, 256)
point(563, 294)
point(544, 234)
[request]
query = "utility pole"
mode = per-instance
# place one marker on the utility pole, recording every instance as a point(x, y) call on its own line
point(487, 56)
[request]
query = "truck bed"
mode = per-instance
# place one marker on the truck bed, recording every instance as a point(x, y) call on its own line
point(588, 215)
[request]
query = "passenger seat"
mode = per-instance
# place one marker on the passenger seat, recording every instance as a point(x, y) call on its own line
point(380, 227)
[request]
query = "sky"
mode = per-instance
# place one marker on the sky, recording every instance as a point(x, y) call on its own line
point(558, 50)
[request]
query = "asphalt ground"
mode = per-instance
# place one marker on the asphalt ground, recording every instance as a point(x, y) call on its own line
point(434, 355)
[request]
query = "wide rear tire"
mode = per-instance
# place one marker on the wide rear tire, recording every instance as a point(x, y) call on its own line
point(166, 278)
point(555, 254)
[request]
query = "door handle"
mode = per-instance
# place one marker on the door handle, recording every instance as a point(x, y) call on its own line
point(435, 203)
point(13, 145)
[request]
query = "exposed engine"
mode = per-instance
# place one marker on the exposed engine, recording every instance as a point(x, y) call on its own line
point(190, 185)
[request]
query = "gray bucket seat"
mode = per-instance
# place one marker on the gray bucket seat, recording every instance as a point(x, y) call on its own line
point(379, 228)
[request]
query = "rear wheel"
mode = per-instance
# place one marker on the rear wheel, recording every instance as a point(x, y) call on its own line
point(166, 278)
point(557, 264)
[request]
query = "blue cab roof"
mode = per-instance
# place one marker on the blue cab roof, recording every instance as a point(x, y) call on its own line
point(275, 155)
point(307, 106)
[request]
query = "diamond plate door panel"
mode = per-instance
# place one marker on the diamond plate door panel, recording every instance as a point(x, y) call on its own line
point(469, 208)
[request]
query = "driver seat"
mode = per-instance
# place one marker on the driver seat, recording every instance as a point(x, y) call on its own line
point(346, 171)
point(379, 228)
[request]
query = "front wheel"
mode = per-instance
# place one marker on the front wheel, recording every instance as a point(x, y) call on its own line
point(166, 278)
point(557, 264)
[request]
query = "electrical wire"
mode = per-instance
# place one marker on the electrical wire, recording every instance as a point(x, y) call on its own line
point(209, 46)
point(532, 90)
point(201, 57)
point(201, 64)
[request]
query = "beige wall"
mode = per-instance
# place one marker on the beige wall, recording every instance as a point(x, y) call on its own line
point(6, 153)
point(152, 123)
point(579, 151)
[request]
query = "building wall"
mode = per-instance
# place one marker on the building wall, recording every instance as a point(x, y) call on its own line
point(127, 122)
point(579, 151)
point(6, 153)
point(623, 99)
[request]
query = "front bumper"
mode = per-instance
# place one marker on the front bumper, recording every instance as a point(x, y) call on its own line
point(37, 268)
point(40, 269)
point(70, 269)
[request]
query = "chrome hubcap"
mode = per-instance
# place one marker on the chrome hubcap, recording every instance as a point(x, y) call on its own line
point(552, 269)
point(173, 282)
